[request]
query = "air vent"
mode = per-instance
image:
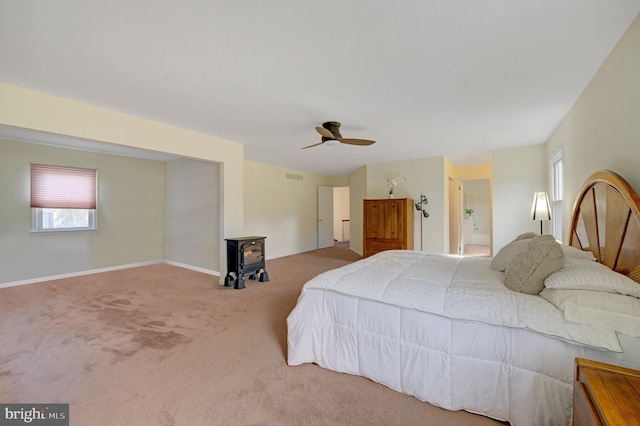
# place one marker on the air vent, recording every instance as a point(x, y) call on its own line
point(294, 177)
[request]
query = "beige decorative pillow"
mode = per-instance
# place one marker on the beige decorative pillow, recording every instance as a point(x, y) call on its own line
point(542, 257)
point(507, 253)
point(526, 236)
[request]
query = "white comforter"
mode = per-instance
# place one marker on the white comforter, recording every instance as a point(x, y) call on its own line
point(456, 287)
point(447, 331)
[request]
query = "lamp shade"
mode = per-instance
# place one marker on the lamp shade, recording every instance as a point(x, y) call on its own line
point(540, 210)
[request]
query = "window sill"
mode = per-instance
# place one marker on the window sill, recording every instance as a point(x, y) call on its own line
point(63, 230)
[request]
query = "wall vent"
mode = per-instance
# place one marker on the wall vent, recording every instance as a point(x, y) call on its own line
point(294, 177)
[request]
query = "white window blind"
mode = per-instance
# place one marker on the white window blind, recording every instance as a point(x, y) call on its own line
point(60, 187)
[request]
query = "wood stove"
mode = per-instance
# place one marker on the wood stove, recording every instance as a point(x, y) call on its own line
point(245, 255)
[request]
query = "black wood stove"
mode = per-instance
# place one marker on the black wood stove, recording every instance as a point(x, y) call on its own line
point(245, 255)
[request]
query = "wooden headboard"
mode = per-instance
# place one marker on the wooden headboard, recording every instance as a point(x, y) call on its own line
point(606, 221)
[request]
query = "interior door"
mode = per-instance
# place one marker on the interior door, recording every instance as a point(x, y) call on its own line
point(325, 216)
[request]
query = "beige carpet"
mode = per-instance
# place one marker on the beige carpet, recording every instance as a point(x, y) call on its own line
point(162, 345)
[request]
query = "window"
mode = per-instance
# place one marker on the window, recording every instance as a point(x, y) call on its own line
point(555, 180)
point(63, 198)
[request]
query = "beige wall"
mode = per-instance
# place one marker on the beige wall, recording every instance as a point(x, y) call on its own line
point(192, 214)
point(27, 109)
point(130, 214)
point(341, 212)
point(474, 171)
point(286, 210)
point(517, 174)
point(602, 130)
point(357, 193)
point(281, 209)
point(424, 176)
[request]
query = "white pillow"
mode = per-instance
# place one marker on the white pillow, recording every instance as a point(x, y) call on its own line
point(610, 310)
point(576, 253)
point(578, 274)
point(507, 253)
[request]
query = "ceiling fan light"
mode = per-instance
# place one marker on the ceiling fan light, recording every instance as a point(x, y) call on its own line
point(332, 142)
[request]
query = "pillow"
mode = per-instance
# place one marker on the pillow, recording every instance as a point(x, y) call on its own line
point(507, 253)
point(578, 274)
point(613, 311)
point(576, 253)
point(526, 273)
point(526, 236)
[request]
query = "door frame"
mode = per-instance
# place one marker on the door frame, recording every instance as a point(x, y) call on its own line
point(325, 216)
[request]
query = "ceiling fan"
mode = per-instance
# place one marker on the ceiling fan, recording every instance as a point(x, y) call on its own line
point(330, 132)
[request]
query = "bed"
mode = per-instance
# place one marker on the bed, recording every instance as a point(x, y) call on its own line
point(447, 330)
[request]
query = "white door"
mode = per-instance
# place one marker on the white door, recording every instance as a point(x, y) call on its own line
point(325, 216)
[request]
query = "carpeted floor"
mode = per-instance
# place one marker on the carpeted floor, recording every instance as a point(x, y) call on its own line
point(483, 250)
point(162, 345)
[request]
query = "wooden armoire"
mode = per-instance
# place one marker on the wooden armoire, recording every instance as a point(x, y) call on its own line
point(388, 225)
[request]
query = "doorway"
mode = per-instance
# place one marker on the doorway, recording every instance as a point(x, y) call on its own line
point(475, 226)
point(454, 217)
point(334, 226)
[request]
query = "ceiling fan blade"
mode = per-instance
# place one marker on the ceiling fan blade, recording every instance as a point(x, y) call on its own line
point(324, 132)
point(361, 142)
point(311, 146)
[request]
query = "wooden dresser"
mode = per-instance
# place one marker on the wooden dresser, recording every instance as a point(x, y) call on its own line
point(605, 394)
point(388, 225)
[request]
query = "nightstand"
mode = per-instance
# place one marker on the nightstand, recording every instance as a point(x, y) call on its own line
point(605, 394)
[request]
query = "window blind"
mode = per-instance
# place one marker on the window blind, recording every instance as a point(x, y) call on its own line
point(59, 187)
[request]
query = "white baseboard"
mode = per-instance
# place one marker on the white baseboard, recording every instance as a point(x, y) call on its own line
point(80, 273)
point(108, 269)
point(193, 268)
point(355, 251)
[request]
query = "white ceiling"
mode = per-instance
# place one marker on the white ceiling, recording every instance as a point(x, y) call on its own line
point(421, 77)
